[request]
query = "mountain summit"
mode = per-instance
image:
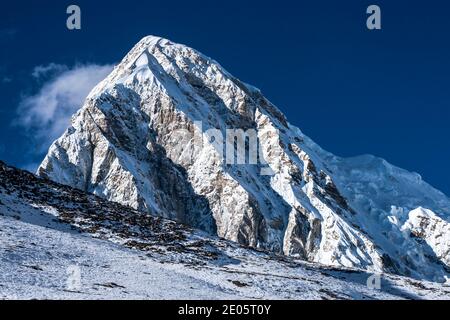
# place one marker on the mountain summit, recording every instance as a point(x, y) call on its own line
point(163, 134)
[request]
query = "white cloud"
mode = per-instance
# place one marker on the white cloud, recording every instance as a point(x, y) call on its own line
point(52, 68)
point(47, 114)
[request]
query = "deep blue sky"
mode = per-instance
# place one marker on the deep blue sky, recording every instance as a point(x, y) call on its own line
point(352, 90)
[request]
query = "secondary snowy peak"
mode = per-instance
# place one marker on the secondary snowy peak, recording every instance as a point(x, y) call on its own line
point(171, 132)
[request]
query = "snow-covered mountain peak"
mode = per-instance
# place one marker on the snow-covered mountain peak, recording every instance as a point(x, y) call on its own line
point(153, 135)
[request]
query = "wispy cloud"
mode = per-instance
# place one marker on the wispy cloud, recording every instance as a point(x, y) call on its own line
point(47, 113)
point(50, 69)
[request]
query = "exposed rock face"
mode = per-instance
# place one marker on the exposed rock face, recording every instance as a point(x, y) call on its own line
point(149, 137)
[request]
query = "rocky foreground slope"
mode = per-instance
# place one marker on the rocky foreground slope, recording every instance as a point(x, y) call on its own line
point(61, 243)
point(153, 136)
